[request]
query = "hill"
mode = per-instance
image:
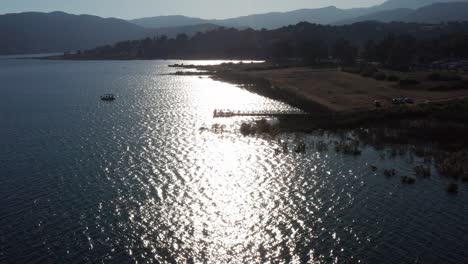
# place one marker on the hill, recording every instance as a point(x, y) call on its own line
point(391, 10)
point(324, 15)
point(302, 40)
point(57, 32)
point(382, 16)
point(34, 32)
point(272, 20)
point(411, 4)
point(433, 14)
point(440, 12)
point(168, 21)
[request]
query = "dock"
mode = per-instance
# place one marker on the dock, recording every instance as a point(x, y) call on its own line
point(218, 113)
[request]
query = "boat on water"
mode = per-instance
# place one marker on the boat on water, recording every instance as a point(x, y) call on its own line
point(107, 97)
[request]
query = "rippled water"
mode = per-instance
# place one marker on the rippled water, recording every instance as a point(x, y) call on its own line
point(137, 180)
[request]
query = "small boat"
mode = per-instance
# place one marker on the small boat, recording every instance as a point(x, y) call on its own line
point(108, 97)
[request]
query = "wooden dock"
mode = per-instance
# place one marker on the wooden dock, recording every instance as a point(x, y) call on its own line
point(217, 113)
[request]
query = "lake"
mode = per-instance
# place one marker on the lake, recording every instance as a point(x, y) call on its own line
point(145, 179)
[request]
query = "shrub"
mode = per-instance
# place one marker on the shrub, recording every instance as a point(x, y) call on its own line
point(444, 77)
point(393, 78)
point(406, 82)
point(435, 76)
point(450, 77)
point(380, 76)
point(368, 72)
point(351, 70)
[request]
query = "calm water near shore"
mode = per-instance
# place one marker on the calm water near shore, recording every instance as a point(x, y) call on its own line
point(137, 180)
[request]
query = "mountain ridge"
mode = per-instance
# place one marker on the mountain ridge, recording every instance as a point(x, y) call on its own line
point(36, 32)
point(433, 14)
point(271, 20)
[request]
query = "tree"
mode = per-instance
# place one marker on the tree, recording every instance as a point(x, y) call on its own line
point(370, 51)
point(182, 37)
point(312, 51)
point(402, 52)
point(345, 51)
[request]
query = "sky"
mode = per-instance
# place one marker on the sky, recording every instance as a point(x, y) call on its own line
point(210, 9)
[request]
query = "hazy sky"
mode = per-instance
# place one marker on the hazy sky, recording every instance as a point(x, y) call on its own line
point(199, 8)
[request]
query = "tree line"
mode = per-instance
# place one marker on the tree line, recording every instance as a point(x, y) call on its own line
point(395, 45)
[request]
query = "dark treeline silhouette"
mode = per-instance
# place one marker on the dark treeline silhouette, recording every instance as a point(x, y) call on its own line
point(388, 43)
point(399, 52)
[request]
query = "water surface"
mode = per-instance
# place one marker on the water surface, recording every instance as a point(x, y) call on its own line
point(137, 180)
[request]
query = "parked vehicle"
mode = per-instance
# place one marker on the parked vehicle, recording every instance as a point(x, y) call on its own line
point(398, 101)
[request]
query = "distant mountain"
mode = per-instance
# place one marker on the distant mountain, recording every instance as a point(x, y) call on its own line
point(273, 20)
point(300, 40)
point(412, 4)
point(27, 33)
point(388, 11)
point(324, 15)
point(168, 21)
point(382, 16)
point(59, 32)
point(434, 13)
point(440, 12)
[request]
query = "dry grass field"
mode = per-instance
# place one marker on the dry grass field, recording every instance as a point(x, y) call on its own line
point(341, 91)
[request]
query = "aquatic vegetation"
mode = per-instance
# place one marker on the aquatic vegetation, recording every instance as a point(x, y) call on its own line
point(373, 168)
point(217, 128)
point(277, 151)
point(453, 164)
point(285, 148)
point(389, 172)
point(321, 146)
point(261, 126)
point(247, 129)
point(300, 148)
point(452, 188)
point(422, 171)
point(408, 179)
point(350, 148)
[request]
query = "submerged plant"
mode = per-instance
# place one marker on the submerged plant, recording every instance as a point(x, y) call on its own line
point(351, 148)
point(454, 164)
point(246, 129)
point(321, 146)
point(422, 171)
point(452, 188)
point(390, 172)
point(408, 179)
point(261, 126)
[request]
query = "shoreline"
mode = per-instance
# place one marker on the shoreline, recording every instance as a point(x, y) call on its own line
point(261, 79)
point(443, 123)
